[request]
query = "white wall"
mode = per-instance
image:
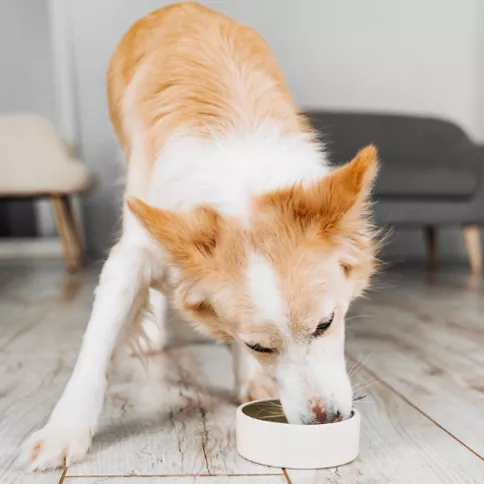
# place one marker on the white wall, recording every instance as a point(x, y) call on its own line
point(480, 68)
point(413, 56)
point(26, 74)
point(374, 55)
point(26, 68)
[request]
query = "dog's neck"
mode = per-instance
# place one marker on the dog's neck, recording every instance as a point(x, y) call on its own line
point(225, 172)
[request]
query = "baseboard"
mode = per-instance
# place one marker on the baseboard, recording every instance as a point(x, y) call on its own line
point(30, 248)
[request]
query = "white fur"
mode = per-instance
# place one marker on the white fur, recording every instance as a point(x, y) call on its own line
point(315, 374)
point(226, 172)
point(153, 336)
point(264, 291)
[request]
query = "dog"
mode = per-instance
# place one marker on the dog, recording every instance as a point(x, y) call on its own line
point(233, 213)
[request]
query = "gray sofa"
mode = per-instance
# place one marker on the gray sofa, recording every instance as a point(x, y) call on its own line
point(432, 173)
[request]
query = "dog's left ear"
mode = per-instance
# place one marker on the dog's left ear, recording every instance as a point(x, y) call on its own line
point(343, 194)
point(333, 201)
point(188, 238)
point(335, 208)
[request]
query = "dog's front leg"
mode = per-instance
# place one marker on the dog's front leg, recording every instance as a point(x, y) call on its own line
point(253, 381)
point(67, 435)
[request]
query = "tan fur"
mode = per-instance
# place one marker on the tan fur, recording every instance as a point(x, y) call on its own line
point(329, 214)
point(188, 66)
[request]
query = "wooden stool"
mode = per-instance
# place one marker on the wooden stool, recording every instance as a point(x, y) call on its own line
point(35, 162)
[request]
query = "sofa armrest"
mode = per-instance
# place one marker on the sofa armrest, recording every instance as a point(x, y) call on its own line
point(476, 158)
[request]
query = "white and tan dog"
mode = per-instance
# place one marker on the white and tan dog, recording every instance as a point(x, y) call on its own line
point(233, 213)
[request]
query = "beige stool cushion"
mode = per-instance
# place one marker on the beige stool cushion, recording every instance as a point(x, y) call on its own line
point(35, 161)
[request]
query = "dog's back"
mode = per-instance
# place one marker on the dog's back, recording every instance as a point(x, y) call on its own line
point(190, 68)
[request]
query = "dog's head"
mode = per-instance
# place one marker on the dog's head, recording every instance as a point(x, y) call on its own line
point(281, 284)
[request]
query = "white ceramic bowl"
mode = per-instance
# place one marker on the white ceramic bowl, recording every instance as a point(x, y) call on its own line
point(267, 440)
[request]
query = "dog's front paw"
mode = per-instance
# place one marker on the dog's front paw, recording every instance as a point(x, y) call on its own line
point(261, 389)
point(55, 446)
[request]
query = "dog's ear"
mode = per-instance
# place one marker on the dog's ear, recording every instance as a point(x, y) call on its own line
point(343, 194)
point(333, 209)
point(188, 238)
point(343, 198)
point(340, 195)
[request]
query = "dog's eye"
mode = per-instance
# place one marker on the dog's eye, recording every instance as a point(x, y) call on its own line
point(259, 348)
point(324, 325)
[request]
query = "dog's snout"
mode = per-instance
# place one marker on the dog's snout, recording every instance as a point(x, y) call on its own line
point(320, 413)
point(323, 415)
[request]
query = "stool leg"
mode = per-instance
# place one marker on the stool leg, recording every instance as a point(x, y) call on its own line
point(73, 229)
point(67, 232)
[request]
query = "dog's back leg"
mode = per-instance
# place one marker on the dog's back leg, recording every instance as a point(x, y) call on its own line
point(149, 333)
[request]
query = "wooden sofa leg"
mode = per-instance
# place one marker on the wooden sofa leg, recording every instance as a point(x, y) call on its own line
point(68, 233)
point(472, 238)
point(431, 246)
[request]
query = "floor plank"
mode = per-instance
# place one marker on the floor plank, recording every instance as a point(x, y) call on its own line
point(21, 477)
point(29, 294)
point(424, 339)
point(448, 304)
point(36, 363)
point(267, 479)
point(399, 446)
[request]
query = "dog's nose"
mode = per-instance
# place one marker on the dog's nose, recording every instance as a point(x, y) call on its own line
point(321, 415)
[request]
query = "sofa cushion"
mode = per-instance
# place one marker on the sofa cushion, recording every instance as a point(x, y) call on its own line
point(421, 182)
point(420, 157)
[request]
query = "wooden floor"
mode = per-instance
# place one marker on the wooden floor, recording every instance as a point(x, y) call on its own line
point(417, 346)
